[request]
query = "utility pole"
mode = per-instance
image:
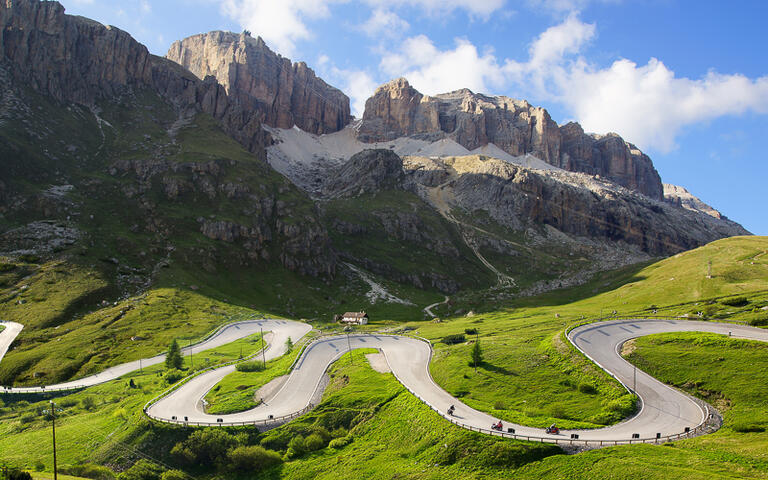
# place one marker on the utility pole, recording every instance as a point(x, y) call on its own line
point(53, 425)
point(263, 349)
point(709, 269)
point(477, 339)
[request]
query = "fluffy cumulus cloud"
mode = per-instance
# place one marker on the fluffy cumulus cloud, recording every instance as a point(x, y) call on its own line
point(384, 23)
point(283, 23)
point(280, 23)
point(647, 104)
point(431, 70)
point(481, 8)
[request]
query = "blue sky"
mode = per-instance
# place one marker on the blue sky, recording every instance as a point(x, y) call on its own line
point(687, 81)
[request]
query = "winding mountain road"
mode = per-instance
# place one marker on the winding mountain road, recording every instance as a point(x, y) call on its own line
point(282, 329)
point(664, 410)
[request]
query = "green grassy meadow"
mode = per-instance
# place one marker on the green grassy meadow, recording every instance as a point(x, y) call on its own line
point(387, 432)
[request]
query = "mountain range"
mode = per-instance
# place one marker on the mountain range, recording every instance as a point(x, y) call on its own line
point(226, 158)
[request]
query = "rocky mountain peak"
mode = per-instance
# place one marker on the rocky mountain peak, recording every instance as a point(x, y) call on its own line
point(285, 93)
point(518, 128)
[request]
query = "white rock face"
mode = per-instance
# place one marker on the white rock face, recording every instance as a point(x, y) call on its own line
point(306, 158)
point(681, 197)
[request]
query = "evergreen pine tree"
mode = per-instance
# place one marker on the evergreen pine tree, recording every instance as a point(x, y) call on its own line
point(174, 359)
point(477, 354)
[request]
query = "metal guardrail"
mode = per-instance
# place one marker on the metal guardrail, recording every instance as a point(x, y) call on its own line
point(269, 421)
point(44, 389)
point(711, 421)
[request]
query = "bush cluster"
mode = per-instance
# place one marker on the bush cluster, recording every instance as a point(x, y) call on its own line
point(735, 301)
point(454, 339)
point(250, 366)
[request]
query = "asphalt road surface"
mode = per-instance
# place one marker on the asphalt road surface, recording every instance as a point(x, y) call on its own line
point(225, 335)
point(664, 410)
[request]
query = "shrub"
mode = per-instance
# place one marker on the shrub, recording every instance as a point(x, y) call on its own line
point(314, 442)
point(88, 402)
point(499, 405)
point(454, 339)
point(297, 445)
point(252, 458)
point(735, 301)
point(470, 331)
point(6, 267)
point(748, 428)
point(28, 258)
point(19, 475)
point(173, 475)
point(207, 446)
point(251, 366)
point(759, 322)
point(173, 376)
point(142, 470)
point(276, 439)
point(89, 470)
point(27, 418)
point(587, 388)
point(340, 442)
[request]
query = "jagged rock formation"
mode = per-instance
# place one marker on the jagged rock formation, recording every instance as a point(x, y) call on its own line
point(519, 198)
point(608, 156)
point(286, 94)
point(78, 60)
point(366, 172)
point(396, 109)
point(681, 197)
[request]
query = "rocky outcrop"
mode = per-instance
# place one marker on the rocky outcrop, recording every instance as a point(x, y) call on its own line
point(396, 109)
point(366, 172)
point(74, 59)
point(611, 157)
point(520, 199)
point(681, 197)
point(269, 225)
point(285, 94)
point(69, 58)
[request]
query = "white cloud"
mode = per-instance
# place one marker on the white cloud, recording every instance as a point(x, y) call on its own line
point(649, 105)
point(559, 6)
point(279, 22)
point(481, 8)
point(384, 22)
point(359, 86)
point(432, 71)
point(282, 23)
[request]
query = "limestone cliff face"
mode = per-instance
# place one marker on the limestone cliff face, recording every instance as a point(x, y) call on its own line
point(79, 61)
point(473, 120)
point(285, 94)
point(681, 197)
point(518, 198)
point(611, 157)
point(74, 59)
point(70, 58)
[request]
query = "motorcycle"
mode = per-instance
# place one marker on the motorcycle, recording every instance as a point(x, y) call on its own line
point(497, 426)
point(553, 429)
